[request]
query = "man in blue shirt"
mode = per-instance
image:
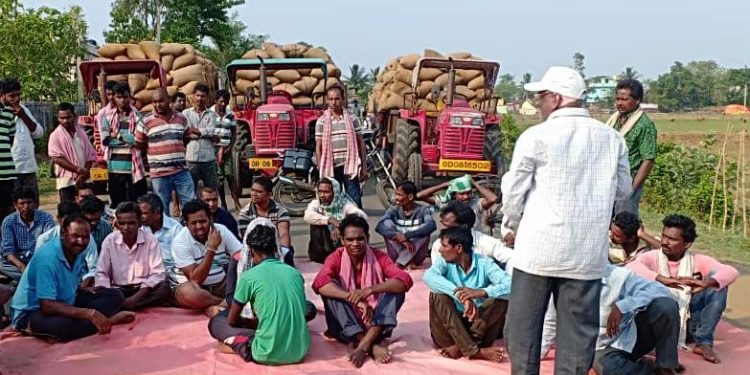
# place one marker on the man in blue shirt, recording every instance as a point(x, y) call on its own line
point(48, 302)
point(20, 231)
point(468, 299)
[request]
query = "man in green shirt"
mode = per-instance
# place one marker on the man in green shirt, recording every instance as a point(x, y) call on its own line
point(278, 334)
point(640, 136)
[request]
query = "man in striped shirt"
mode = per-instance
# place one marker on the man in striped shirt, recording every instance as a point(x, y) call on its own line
point(7, 167)
point(163, 135)
point(228, 129)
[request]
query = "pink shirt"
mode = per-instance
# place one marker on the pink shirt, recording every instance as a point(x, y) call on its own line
point(61, 145)
point(646, 265)
point(120, 265)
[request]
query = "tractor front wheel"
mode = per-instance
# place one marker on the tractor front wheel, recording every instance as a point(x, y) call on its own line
point(241, 171)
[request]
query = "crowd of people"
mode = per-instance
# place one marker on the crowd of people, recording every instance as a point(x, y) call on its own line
point(574, 265)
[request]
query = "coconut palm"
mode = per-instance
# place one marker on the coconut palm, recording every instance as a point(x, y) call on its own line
point(629, 73)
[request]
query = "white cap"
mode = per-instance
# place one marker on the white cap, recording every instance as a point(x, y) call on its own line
point(560, 80)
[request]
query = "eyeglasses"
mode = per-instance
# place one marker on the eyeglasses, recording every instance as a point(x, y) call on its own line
point(538, 97)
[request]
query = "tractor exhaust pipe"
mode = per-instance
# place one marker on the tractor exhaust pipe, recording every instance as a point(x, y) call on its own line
point(451, 84)
point(263, 81)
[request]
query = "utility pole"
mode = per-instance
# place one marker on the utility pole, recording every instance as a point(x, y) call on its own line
point(744, 100)
point(158, 21)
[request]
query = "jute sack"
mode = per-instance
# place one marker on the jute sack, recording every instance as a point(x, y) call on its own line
point(188, 88)
point(410, 61)
point(460, 55)
point(184, 75)
point(183, 61)
point(404, 75)
point(287, 76)
point(137, 82)
point(476, 83)
point(306, 85)
point(151, 49)
point(316, 52)
point(302, 100)
point(468, 75)
point(255, 53)
point(152, 84)
point(317, 73)
point(112, 50)
point(167, 62)
point(431, 53)
point(122, 58)
point(429, 74)
point(250, 75)
point(465, 91)
point(174, 49)
point(243, 85)
point(144, 96)
point(288, 88)
point(134, 52)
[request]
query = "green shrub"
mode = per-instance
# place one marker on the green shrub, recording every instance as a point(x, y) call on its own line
point(510, 132)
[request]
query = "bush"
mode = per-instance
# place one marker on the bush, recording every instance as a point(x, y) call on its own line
point(510, 132)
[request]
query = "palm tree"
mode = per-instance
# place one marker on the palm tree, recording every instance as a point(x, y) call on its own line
point(629, 73)
point(526, 79)
point(373, 75)
point(357, 80)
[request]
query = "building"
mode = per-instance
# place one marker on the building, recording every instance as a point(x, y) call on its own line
point(600, 88)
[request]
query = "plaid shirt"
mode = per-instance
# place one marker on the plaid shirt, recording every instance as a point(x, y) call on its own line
point(100, 232)
point(19, 238)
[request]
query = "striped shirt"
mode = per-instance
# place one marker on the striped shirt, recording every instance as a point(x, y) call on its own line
point(166, 150)
point(7, 132)
point(277, 213)
point(120, 152)
point(224, 126)
point(338, 137)
point(187, 251)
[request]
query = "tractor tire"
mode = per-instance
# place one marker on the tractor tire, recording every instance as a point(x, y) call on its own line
point(493, 148)
point(405, 145)
point(242, 174)
point(415, 170)
point(385, 191)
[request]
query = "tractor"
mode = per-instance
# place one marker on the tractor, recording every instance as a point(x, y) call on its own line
point(93, 76)
point(275, 136)
point(452, 140)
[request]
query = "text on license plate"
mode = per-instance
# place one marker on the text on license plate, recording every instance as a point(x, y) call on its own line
point(464, 165)
point(99, 174)
point(260, 163)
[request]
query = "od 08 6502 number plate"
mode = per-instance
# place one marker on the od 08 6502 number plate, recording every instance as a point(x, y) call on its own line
point(464, 165)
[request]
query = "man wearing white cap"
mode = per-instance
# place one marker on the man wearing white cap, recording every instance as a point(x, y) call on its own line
point(558, 197)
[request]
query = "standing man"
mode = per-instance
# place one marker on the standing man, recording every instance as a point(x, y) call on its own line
point(640, 136)
point(163, 134)
point(179, 102)
point(7, 166)
point(566, 175)
point(339, 148)
point(20, 231)
point(71, 151)
point(127, 174)
point(27, 130)
point(201, 149)
point(228, 128)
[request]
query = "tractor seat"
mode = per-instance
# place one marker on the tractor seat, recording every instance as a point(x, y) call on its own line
point(460, 102)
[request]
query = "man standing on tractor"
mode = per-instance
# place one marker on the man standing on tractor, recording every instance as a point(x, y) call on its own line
point(340, 150)
point(106, 109)
point(228, 129)
point(461, 189)
point(201, 150)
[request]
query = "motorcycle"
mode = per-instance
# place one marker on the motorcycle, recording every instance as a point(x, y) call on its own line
point(379, 162)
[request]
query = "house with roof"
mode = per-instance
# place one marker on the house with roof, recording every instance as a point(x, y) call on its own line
point(600, 88)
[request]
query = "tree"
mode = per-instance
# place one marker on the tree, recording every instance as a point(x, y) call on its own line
point(222, 52)
point(40, 47)
point(734, 83)
point(192, 21)
point(629, 73)
point(526, 79)
point(578, 63)
point(675, 90)
point(135, 20)
point(507, 89)
point(358, 81)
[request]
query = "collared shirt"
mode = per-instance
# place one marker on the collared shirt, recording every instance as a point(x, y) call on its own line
point(188, 251)
point(100, 232)
point(331, 270)
point(120, 265)
point(7, 131)
point(641, 141)
point(558, 196)
point(338, 136)
point(277, 213)
point(166, 149)
point(226, 219)
point(169, 230)
point(48, 276)
point(203, 149)
point(416, 225)
point(19, 237)
point(91, 254)
point(484, 245)
point(618, 257)
point(443, 278)
point(224, 126)
point(647, 265)
point(75, 148)
point(23, 143)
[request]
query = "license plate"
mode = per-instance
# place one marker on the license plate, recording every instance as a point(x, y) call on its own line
point(260, 163)
point(464, 165)
point(99, 174)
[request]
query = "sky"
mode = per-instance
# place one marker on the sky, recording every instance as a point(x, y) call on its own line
point(523, 36)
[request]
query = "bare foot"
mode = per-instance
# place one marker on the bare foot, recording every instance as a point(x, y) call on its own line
point(707, 351)
point(122, 317)
point(381, 354)
point(358, 356)
point(211, 311)
point(452, 352)
point(224, 348)
point(492, 354)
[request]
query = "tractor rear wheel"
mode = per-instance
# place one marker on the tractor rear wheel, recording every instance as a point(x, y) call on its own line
point(242, 173)
point(415, 170)
point(493, 148)
point(406, 144)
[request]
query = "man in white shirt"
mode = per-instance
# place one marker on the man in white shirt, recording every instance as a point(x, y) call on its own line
point(27, 130)
point(201, 255)
point(558, 198)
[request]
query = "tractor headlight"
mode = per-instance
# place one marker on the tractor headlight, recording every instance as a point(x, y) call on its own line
point(263, 116)
point(284, 116)
point(476, 121)
point(456, 120)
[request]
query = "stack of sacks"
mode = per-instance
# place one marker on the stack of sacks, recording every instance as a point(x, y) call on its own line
point(184, 67)
point(395, 81)
point(302, 84)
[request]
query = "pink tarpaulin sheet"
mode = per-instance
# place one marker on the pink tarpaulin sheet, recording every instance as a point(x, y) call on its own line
point(172, 341)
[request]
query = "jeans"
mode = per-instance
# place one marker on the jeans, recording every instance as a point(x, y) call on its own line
point(351, 185)
point(344, 325)
point(320, 245)
point(220, 329)
point(631, 203)
point(122, 188)
point(706, 308)
point(577, 303)
point(204, 171)
point(448, 327)
point(180, 182)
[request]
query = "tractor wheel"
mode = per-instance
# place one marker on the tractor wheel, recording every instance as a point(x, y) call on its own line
point(493, 148)
point(415, 170)
point(242, 174)
point(385, 191)
point(406, 144)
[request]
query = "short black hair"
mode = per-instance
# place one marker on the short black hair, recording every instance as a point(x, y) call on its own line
point(263, 240)
point(91, 205)
point(265, 182)
point(153, 201)
point(178, 95)
point(9, 85)
point(408, 187)
point(628, 222)
point(635, 87)
point(223, 94)
point(67, 208)
point(326, 181)
point(121, 88)
point(336, 87)
point(23, 192)
point(353, 220)
point(686, 225)
point(193, 206)
point(207, 189)
point(459, 236)
point(65, 106)
point(465, 216)
point(128, 207)
point(84, 186)
point(72, 218)
point(110, 85)
point(203, 88)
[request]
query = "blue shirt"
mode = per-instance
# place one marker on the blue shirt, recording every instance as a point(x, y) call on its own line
point(100, 232)
point(19, 238)
point(169, 230)
point(91, 255)
point(443, 278)
point(48, 276)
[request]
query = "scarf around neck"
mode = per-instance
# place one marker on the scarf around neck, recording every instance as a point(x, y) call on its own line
point(352, 164)
point(633, 118)
point(683, 294)
point(370, 275)
point(335, 209)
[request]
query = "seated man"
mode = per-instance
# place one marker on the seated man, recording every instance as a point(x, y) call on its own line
point(163, 227)
point(324, 215)
point(262, 205)
point(406, 227)
point(625, 235)
point(93, 209)
point(697, 281)
point(468, 299)
point(362, 291)
point(83, 190)
point(20, 231)
point(219, 215)
point(201, 254)
point(130, 260)
point(278, 335)
point(460, 189)
point(459, 214)
point(49, 303)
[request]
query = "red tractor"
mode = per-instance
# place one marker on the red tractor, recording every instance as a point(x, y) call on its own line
point(275, 136)
point(452, 140)
point(93, 76)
